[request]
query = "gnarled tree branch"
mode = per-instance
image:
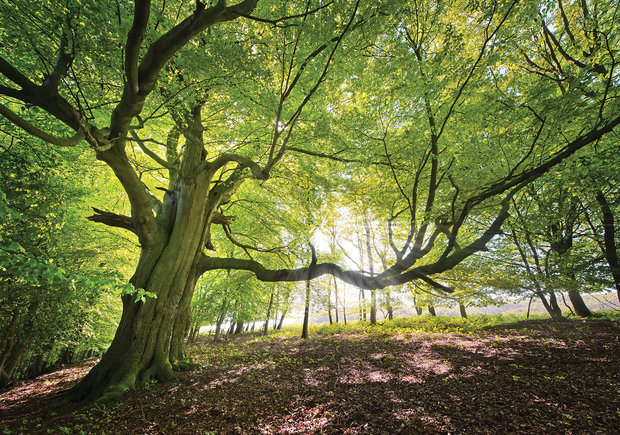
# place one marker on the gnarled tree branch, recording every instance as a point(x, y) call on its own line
point(112, 219)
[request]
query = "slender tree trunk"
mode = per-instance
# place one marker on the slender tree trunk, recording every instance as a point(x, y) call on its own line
point(529, 306)
point(336, 297)
point(218, 328)
point(388, 302)
point(266, 325)
point(220, 319)
point(344, 304)
point(462, 310)
point(304, 331)
point(359, 299)
point(371, 267)
point(329, 302)
point(281, 320)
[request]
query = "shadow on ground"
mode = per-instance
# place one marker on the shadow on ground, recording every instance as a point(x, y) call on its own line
point(535, 377)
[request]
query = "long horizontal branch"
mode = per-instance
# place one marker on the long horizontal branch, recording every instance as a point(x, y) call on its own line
point(332, 156)
point(313, 271)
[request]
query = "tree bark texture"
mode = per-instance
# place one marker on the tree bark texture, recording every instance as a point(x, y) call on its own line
point(143, 347)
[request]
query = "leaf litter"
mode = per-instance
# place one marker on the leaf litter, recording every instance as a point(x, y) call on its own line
point(530, 377)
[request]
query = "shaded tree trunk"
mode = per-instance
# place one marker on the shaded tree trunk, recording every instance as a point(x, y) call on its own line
point(220, 319)
point(281, 320)
point(609, 240)
point(431, 310)
point(551, 305)
point(462, 310)
point(9, 361)
point(344, 303)
point(579, 305)
point(388, 302)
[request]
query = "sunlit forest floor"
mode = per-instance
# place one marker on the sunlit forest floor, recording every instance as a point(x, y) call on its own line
point(533, 376)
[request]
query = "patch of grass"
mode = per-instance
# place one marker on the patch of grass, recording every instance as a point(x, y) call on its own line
point(613, 315)
point(408, 325)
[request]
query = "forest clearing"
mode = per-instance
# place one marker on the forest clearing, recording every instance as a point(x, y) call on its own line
point(534, 376)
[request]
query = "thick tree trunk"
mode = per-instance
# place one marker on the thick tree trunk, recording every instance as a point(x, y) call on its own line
point(141, 348)
point(10, 362)
point(431, 310)
point(581, 309)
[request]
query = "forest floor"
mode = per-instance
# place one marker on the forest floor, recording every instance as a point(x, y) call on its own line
point(530, 377)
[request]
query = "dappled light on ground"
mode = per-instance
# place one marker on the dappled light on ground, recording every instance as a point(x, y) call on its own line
point(541, 377)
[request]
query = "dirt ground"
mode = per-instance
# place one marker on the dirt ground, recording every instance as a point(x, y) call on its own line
point(531, 377)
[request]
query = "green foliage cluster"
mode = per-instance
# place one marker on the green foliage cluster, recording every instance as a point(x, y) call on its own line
point(54, 293)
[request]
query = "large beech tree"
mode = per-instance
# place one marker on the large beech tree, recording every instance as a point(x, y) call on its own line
point(220, 96)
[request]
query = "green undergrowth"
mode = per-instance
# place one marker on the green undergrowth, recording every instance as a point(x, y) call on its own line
point(613, 315)
point(416, 324)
